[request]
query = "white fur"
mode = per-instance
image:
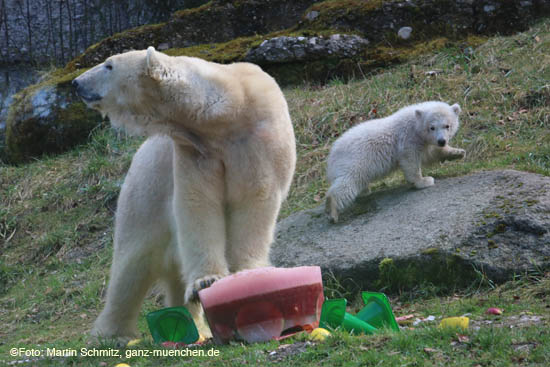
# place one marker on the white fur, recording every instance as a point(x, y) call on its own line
point(202, 195)
point(371, 150)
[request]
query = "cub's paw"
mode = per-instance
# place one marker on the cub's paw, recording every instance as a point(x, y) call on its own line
point(458, 154)
point(331, 210)
point(424, 182)
point(192, 291)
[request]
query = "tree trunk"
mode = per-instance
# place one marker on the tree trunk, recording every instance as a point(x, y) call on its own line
point(29, 29)
point(4, 19)
point(61, 31)
point(71, 40)
point(51, 35)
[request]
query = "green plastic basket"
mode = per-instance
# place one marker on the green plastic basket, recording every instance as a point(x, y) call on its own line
point(173, 324)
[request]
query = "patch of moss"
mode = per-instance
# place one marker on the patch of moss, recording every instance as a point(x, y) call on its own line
point(152, 33)
point(445, 271)
point(330, 9)
point(224, 53)
point(430, 251)
point(236, 49)
point(192, 11)
point(28, 135)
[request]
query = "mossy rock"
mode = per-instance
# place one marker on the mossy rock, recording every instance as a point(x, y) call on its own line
point(47, 118)
point(215, 22)
point(400, 240)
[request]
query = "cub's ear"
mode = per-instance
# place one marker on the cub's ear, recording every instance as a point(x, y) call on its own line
point(155, 69)
point(419, 115)
point(456, 109)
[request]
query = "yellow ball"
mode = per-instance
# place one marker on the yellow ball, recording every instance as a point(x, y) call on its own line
point(455, 322)
point(122, 365)
point(133, 342)
point(319, 334)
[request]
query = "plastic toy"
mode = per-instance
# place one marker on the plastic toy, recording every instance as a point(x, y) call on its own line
point(377, 311)
point(262, 304)
point(376, 315)
point(319, 334)
point(173, 324)
point(455, 322)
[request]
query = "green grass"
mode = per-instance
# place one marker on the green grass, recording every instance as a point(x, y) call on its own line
point(56, 218)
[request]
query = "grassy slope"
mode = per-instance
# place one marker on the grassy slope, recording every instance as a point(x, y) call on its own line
point(56, 213)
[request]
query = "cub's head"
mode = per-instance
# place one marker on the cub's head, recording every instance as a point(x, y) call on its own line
point(124, 87)
point(438, 122)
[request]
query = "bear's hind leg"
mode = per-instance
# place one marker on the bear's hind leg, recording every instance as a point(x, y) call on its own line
point(340, 195)
point(131, 278)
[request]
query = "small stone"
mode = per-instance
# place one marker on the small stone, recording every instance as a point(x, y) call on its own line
point(404, 33)
point(489, 8)
point(312, 15)
point(163, 46)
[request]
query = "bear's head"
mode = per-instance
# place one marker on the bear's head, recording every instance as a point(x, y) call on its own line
point(127, 88)
point(438, 123)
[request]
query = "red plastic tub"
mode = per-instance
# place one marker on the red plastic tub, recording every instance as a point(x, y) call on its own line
point(262, 304)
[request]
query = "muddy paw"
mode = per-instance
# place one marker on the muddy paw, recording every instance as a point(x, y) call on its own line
point(192, 291)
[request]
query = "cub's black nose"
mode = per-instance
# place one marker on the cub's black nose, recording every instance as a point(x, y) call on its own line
point(75, 83)
point(441, 142)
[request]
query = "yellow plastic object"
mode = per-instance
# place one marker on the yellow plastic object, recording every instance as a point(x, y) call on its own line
point(122, 365)
point(319, 334)
point(133, 342)
point(455, 322)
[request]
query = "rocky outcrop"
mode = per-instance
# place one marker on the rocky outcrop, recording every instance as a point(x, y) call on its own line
point(381, 20)
point(303, 39)
point(215, 22)
point(221, 21)
point(494, 224)
point(291, 49)
point(12, 79)
point(48, 118)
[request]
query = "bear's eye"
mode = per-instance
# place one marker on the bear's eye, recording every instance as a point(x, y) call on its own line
point(447, 126)
point(109, 67)
point(432, 128)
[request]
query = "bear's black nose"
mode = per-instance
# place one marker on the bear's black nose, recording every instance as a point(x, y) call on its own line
point(441, 142)
point(75, 83)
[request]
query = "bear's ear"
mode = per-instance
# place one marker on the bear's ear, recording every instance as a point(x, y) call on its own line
point(419, 115)
point(456, 109)
point(155, 69)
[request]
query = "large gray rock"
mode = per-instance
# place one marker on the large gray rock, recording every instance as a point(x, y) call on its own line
point(290, 49)
point(47, 118)
point(487, 225)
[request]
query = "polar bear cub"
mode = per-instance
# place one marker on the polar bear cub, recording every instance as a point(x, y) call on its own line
point(414, 135)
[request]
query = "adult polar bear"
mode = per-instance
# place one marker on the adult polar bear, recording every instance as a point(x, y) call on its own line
point(202, 195)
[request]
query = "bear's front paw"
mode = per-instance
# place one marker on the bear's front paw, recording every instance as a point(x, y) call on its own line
point(192, 291)
point(458, 154)
point(424, 182)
